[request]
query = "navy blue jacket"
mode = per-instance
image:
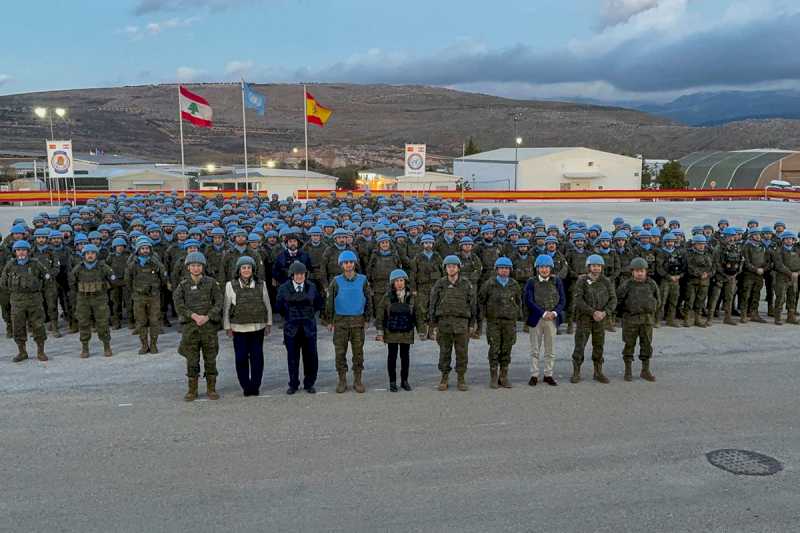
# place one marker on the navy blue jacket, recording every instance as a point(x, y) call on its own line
point(299, 309)
point(280, 269)
point(535, 311)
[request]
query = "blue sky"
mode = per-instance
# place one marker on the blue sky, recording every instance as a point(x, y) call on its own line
point(603, 49)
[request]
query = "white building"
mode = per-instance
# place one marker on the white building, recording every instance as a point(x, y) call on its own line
point(281, 181)
point(431, 181)
point(566, 169)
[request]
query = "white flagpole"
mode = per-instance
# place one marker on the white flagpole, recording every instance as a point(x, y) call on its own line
point(180, 123)
point(244, 127)
point(305, 128)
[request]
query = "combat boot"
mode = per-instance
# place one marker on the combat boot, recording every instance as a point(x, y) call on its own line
point(23, 353)
point(9, 331)
point(628, 376)
point(770, 309)
point(645, 373)
point(462, 383)
point(54, 329)
point(40, 355)
point(84, 350)
point(729, 319)
point(598, 372)
point(493, 377)
point(443, 383)
point(144, 348)
point(743, 318)
point(153, 344)
point(73, 326)
point(357, 385)
point(570, 328)
point(576, 373)
point(211, 387)
point(792, 318)
point(504, 381)
point(671, 320)
point(755, 317)
point(191, 394)
point(610, 325)
point(688, 319)
point(116, 324)
point(341, 386)
point(778, 321)
point(107, 349)
point(698, 321)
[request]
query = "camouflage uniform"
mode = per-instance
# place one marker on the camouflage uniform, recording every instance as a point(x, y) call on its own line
point(91, 308)
point(471, 268)
point(577, 267)
point(24, 284)
point(144, 284)
point(315, 254)
point(349, 329)
point(727, 265)
point(202, 298)
point(424, 273)
point(669, 265)
point(500, 306)
point(380, 266)
point(639, 302)
point(119, 295)
point(523, 270)
point(51, 263)
point(453, 311)
point(698, 264)
point(590, 296)
point(786, 263)
point(756, 257)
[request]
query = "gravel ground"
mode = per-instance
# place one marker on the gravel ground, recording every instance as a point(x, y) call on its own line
point(108, 445)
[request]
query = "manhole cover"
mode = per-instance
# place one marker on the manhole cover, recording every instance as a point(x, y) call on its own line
point(744, 462)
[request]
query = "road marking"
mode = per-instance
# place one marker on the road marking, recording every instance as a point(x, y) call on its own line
point(322, 393)
point(382, 390)
point(126, 405)
point(202, 399)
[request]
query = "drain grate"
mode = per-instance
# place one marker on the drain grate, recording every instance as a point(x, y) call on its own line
point(744, 462)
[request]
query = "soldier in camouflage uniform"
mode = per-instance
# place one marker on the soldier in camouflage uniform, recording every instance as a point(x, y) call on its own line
point(453, 313)
point(24, 279)
point(756, 263)
point(214, 253)
point(383, 261)
point(699, 268)
point(198, 301)
point(595, 300)
point(611, 269)
point(349, 306)
point(471, 265)
point(487, 250)
point(91, 280)
point(500, 304)
point(179, 267)
point(17, 233)
point(315, 249)
point(670, 267)
point(576, 254)
point(727, 265)
point(426, 269)
point(145, 276)
point(638, 300)
point(786, 261)
point(50, 261)
point(118, 261)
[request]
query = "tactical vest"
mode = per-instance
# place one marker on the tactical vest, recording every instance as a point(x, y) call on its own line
point(730, 259)
point(427, 271)
point(199, 300)
point(545, 293)
point(401, 316)
point(24, 278)
point(674, 264)
point(146, 279)
point(454, 301)
point(92, 281)
point(249, 308)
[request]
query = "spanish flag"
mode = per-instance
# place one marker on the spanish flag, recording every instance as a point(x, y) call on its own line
point(316, 113)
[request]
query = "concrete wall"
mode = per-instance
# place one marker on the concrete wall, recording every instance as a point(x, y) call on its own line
point(789, 171)
point(282, 186)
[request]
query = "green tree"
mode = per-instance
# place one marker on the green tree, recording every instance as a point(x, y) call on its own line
point(471, 147)
point(347, 178)
point(647, 177)
point(672, 176)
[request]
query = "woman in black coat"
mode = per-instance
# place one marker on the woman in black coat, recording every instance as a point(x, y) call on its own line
point(395, 321)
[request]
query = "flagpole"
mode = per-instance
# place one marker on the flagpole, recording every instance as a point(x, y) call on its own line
point(180, 123)
point(305, 128)
point(244, 127)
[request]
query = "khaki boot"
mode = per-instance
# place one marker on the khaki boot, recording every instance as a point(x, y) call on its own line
point(84, 350)
point(504, 381)
point(154, 344)
point(191, 394)
point(729, 319)
point(576, 373)
point(357, 385)
point(628, 370)
point(107, 349)
point(462, 383)
point(598, 372)
point(493, 377)
point(211, 387)
point(688, 319)
point(144, 348)
point(341, 386)
point(699, 321)
point(778, 321)
point(770, 309)
point(23, 353)
point(755, 317)
point(73, 326)
point(40, 355)
point(743, 318)
point(443, 383)
point(645, 374)
point(792, 318)
point(54, 329)
point(671, 320)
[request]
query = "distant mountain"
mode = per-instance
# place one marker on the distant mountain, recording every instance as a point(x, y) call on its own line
point(711, 109)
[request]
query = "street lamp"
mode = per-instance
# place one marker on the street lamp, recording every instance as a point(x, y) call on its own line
point(210, 168)
point(517, 142)
point(43, 112)
point(270, 164)
point(295, 150)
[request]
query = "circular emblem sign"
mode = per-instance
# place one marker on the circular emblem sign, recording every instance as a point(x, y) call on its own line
point(415, 162)
point(60, 162)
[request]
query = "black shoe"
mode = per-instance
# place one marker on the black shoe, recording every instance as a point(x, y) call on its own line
point(405, 386)
point(247, 393)
point(311, 390)
point(533, 381)
point(393, 386)
point(550, 381)
point(290, 391)
point(255, 392)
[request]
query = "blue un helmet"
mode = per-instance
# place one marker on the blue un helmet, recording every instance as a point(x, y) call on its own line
point(195, 258)
point(544, 260)
point(119, 241)
point(427, 237)
point(245, 260)
point(595, 259)
point(90, 248)
point(451, 260)
point(699, 239)
point(503, 262)
point(397, 273)
point(21, 245)
point(347, 255)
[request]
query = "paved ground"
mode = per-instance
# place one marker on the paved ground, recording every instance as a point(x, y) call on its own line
point(107, 444)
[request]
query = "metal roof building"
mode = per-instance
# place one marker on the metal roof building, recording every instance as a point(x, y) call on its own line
point(741, 169)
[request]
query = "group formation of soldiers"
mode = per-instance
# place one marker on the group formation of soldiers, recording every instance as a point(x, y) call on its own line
point(120, 259)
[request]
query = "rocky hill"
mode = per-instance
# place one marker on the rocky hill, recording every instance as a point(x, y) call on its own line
point(369, 126)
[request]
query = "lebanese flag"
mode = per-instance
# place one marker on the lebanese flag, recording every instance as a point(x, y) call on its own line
point(195, 108)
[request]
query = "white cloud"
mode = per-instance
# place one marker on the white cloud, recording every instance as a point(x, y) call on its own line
point(238, 68)
point(135, 32)
point(188, 74)
point(614, 12)
point(151, 6)
point(5, 79)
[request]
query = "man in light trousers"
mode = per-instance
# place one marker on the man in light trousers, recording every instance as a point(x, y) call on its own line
point(545, 301)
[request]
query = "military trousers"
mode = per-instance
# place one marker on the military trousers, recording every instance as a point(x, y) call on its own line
point(50, 295)
point(27, 311)
point(5, 308)
point(542, 339)
point(119, 301)
point(633, 331)
point(147, 313)
point(422, 301)
point(91, 309)
point(785, 293)
point(723, 287)
point(586, 327)
point(696, 294)
point(197, 341)
point(751, 292)
point(501, 335)
point(348, 330)
point(453, 333)
point(670, 291)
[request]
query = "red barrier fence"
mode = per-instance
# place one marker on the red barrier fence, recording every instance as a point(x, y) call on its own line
point(671, 194)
